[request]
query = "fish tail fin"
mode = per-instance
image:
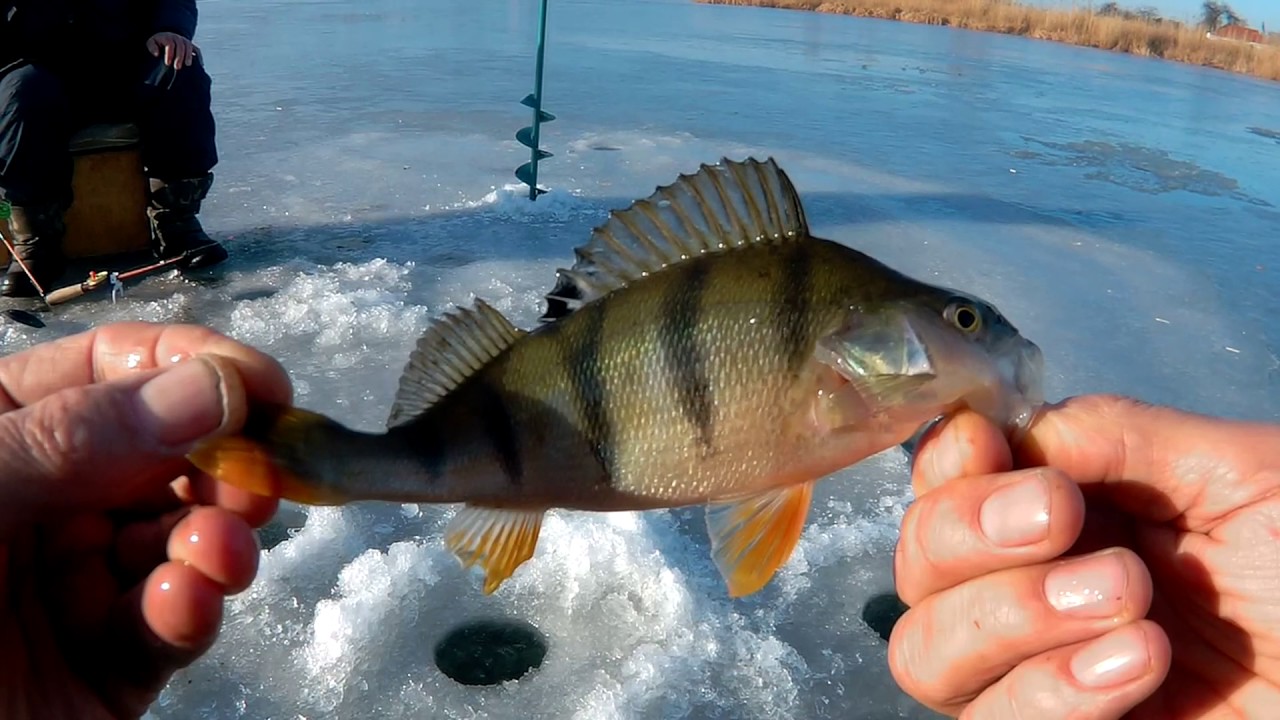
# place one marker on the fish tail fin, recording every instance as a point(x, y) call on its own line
point(269, 457)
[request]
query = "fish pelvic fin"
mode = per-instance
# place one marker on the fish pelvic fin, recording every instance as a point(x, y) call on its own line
point(262, 459)
point(455, 346)
point(499, 540)
point(723, 206)
point(752, 537)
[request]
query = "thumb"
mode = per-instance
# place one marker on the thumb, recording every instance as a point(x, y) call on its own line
point(104, 445)
point(1155, 462)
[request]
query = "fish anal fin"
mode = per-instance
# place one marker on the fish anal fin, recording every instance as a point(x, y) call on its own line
point(454, 347)
point(752, 537)
point(722, 206)
point(499, 540)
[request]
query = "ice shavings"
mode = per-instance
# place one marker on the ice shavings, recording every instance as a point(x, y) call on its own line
point(628, 630)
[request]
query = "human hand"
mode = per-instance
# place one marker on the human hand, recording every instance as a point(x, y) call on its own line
point(178, 51)
point(115, 554)
point(1132, 571)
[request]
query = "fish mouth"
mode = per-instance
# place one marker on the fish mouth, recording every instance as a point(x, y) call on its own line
point(1022, 372)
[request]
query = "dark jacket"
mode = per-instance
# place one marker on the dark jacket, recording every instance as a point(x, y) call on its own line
point(36, 29)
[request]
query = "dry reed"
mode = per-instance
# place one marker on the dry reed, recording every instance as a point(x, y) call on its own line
point(1170, 41)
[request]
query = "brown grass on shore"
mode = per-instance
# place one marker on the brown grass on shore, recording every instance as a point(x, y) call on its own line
point(1180, 43)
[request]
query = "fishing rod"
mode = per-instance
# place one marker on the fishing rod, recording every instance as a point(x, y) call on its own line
point(115, 280)
point(96, 280)
point(22, 316)
point(5, 212)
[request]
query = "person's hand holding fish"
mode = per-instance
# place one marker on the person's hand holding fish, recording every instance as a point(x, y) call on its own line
point(1139, 577)
point(115, 554)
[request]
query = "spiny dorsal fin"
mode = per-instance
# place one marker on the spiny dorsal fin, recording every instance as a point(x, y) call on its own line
point(720, 207)
point(454, 347)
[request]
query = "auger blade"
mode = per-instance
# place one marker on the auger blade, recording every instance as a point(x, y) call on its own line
point(529, 136)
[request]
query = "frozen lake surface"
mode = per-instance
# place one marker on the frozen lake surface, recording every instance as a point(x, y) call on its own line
point(1125, 214)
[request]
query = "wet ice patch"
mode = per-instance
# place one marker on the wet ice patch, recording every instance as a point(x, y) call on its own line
point(1265, 133)
point(512, 200)
point(1138, 167)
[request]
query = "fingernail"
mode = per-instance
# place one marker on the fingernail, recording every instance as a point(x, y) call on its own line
point(947, 457)
point(1092, 586)
point(1017, 514)
point(182, 404)
point(1115, 659)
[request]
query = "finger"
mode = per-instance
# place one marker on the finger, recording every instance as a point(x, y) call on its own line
point(84, 533)
point(77, 593)
point(948, 648)
point(978, 525)
point(123, 350)
point(1106, 527)
point(103, 446)
point(197, 488)
point(159, 627)
point(168, 52)
point(964, 444)
point(153, 46)
point(182, 609)
point(188, 50)
point(141, 546)
point(1104, 678)
point(219, 544)
point(1159, 463)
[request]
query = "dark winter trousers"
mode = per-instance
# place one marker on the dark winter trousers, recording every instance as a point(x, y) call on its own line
point(40, 108)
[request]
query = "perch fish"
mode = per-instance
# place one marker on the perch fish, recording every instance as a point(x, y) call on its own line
point(704, 348)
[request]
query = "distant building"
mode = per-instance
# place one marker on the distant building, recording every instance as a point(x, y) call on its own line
point(1238, 32)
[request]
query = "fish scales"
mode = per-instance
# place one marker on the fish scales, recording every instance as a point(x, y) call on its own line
point(676, 385)
point(704, 348)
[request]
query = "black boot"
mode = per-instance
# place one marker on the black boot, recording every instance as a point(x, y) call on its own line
point(174, 227)
point(37, 233)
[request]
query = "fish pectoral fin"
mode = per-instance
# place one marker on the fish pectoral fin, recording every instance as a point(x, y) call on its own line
point(752, 537)
point(497, 539)
point(891, 390)
point(865, 403)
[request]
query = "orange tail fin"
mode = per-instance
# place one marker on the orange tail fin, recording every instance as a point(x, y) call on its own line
point(259, 459)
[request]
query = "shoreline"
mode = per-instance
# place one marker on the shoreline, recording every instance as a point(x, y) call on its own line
point(1165, 40)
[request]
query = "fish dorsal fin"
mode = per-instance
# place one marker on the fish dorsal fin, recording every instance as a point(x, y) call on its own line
point(717, 208)
point(454, 347)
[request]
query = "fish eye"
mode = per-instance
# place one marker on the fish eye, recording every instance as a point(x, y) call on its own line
point(964, 316)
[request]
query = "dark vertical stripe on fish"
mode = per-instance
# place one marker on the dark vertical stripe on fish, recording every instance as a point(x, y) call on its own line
point(428, 439)
point(678, 336)
point(583, 360)
point(791, 319)
point(499, 427)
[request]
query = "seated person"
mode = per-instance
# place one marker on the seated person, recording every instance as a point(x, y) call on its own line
point(66, 64)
